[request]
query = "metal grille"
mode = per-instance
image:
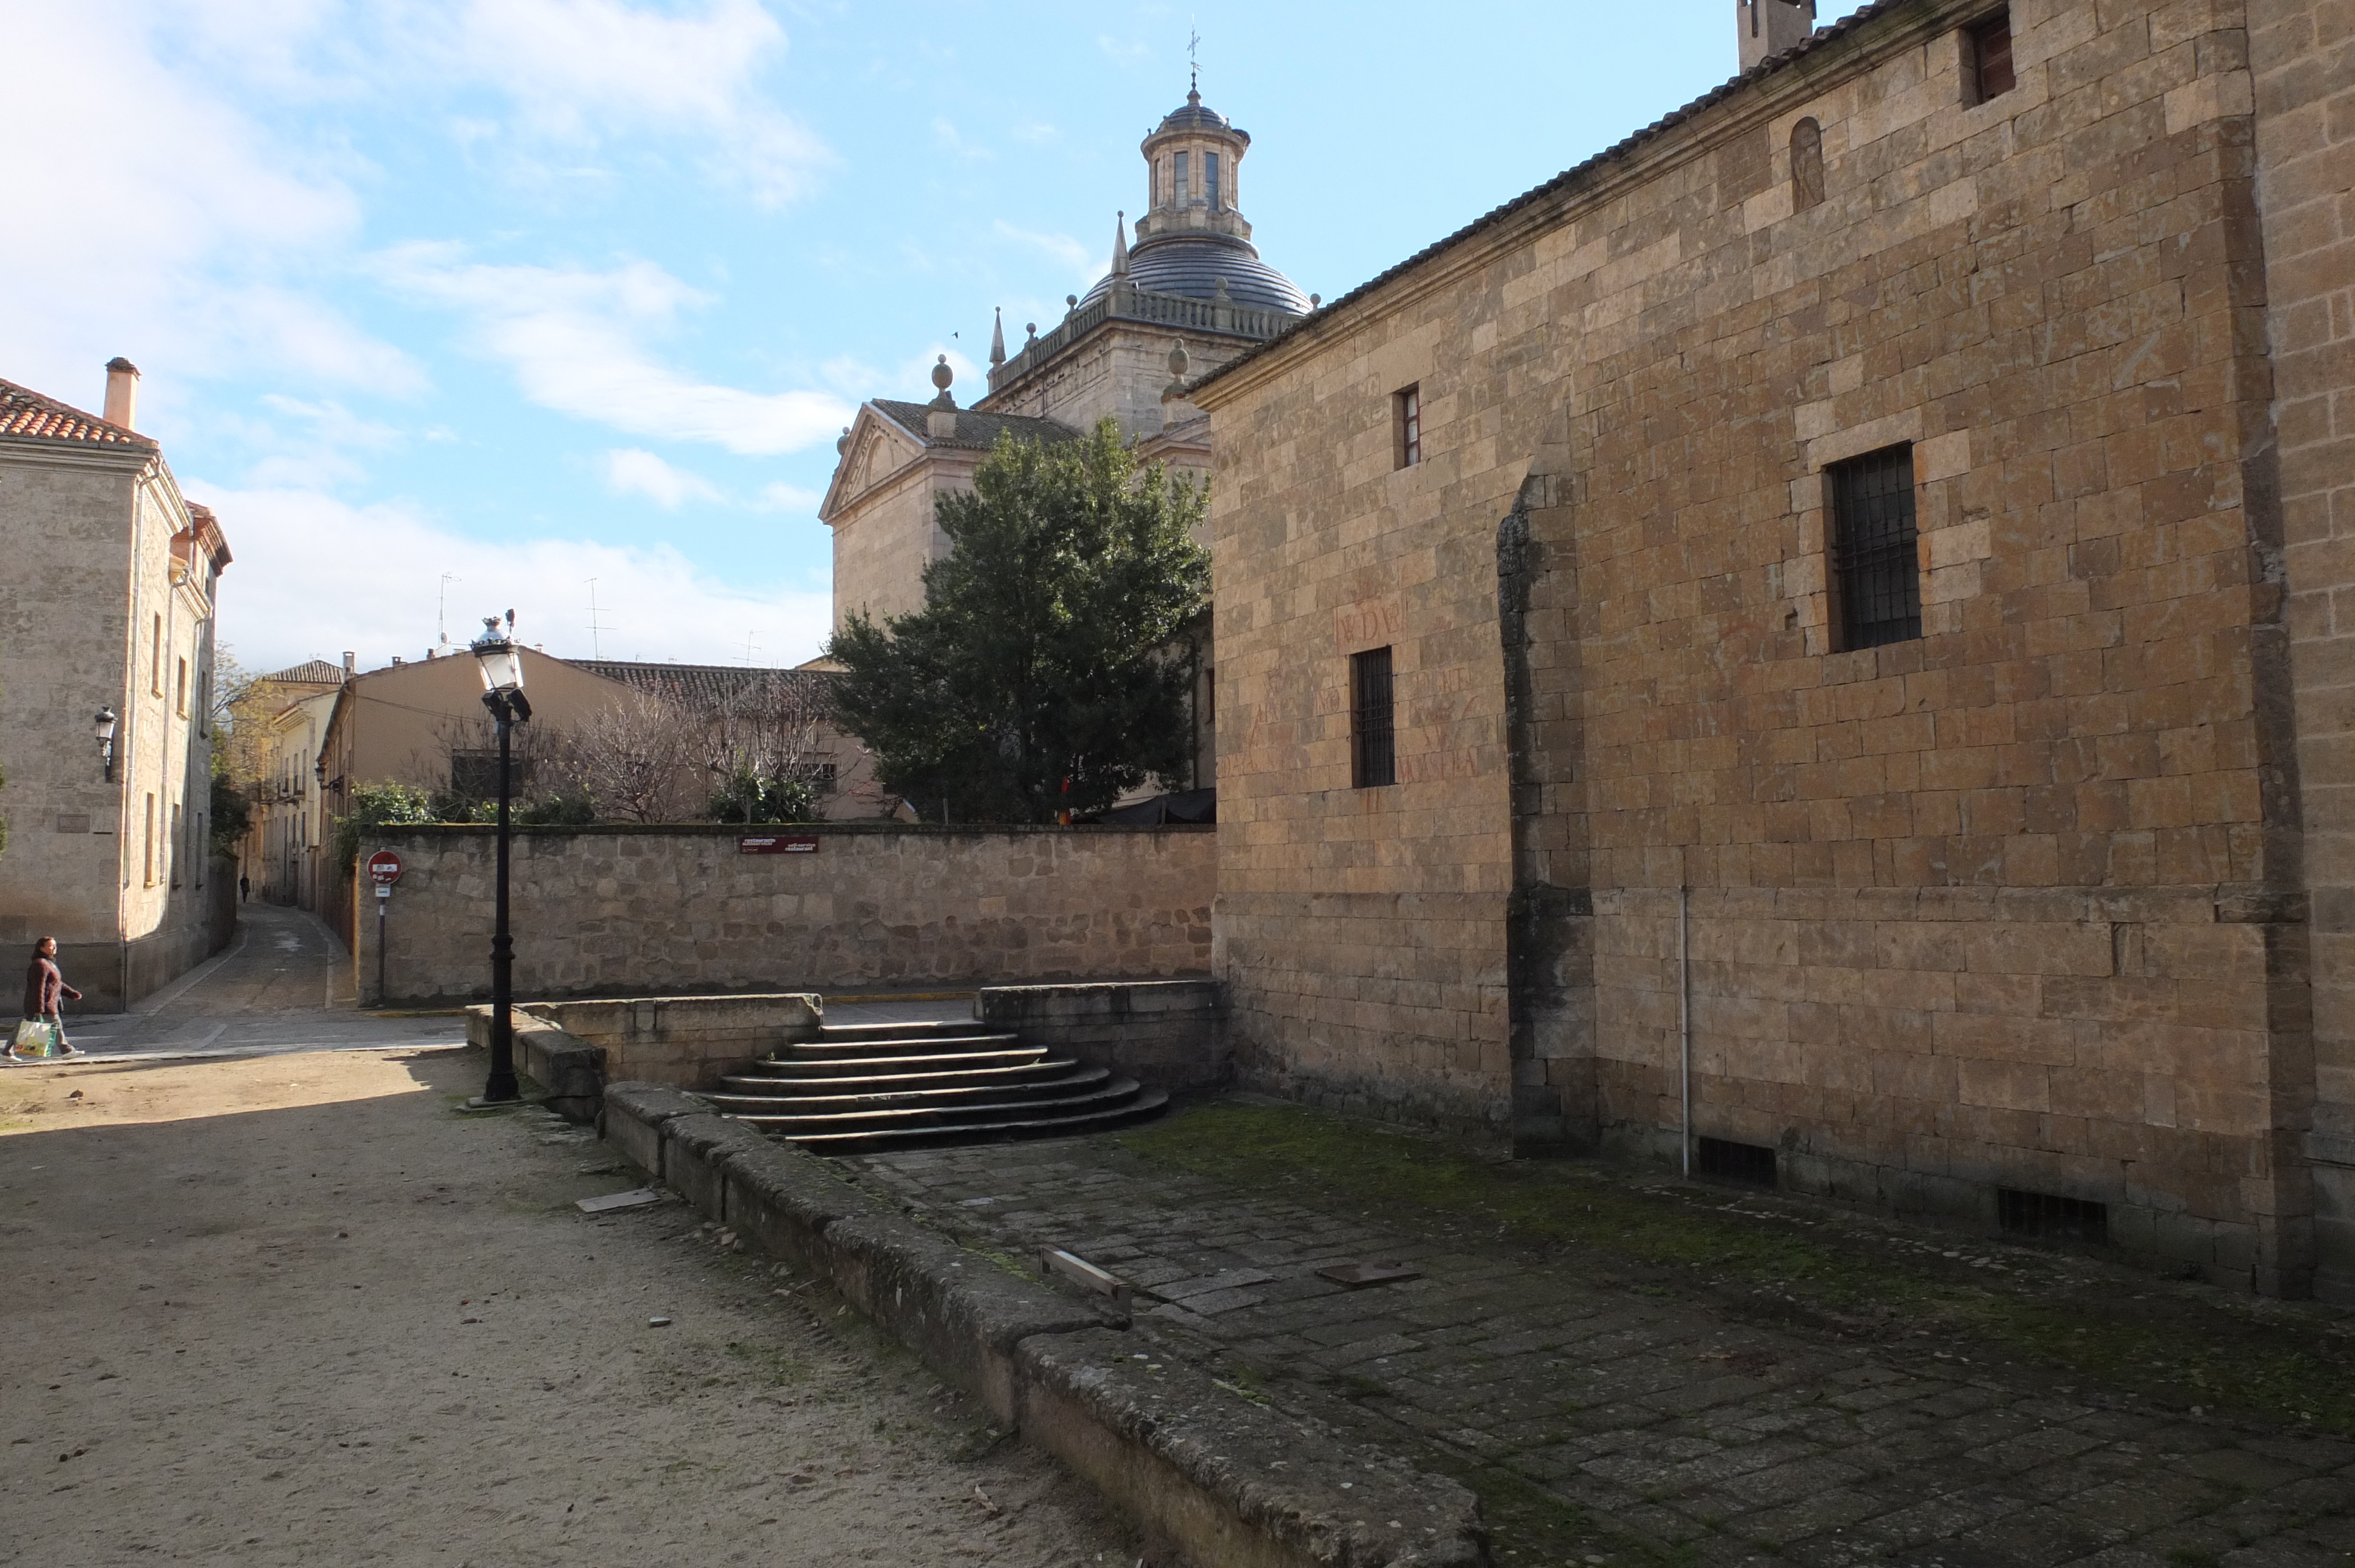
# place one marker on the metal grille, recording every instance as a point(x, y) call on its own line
point(1874, 550)
point(1409, 427)
point(2049, 1216)
point(1373, 738)
point(1751, 1164)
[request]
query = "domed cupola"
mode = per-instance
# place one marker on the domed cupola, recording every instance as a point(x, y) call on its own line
point(1193, 239)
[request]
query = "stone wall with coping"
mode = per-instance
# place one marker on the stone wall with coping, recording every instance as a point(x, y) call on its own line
point(622, 912)
point(1161, 1033)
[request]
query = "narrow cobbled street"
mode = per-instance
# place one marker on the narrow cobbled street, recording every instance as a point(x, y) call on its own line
point(301, 1308)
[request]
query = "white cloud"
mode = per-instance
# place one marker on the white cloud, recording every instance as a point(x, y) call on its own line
point(784, 497)
point(1066, 252)
point(160, 221)
point(573, 337)
point(315, 575)
point(578, 72)
point(946, 137)
point(631, 471)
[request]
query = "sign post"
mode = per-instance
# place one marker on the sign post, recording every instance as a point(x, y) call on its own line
point(384, 869)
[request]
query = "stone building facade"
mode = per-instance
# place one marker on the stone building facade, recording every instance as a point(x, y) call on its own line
point(290, 827)
point(108, 602)
point(1778, 646)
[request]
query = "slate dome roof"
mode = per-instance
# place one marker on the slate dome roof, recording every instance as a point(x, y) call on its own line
point(1191, 264)
point(1191, 116)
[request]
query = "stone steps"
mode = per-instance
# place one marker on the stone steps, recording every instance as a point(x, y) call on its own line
point(870, 1087)
point(815, 1098)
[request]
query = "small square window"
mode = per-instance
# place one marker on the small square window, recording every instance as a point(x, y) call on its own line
point(1373, 731)
point(1875, 550)
point(1987, 58)
point(1406, 426)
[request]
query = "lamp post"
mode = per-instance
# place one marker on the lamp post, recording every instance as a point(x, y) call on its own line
point(104, 728)
point(502, 664)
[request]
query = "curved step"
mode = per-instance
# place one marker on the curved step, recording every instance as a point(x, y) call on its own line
point(1148, 1104)
point(783, 1087)
point(943, 1044)
point(855, 1067)
point(899, 1095)
point(909, 1031)
point(1116, 1091)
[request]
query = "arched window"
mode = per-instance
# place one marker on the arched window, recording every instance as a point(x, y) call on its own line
point(1806, 164)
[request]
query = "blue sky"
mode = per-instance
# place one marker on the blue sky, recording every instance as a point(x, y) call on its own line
point(533, 291)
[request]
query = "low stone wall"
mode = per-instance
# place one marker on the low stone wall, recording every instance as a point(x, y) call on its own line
point(1224, 1480)
point(1163, 1032)
point(622, 911)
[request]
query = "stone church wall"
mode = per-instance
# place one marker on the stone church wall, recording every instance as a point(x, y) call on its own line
point(2012, 904)
point(607, 912)
point(2302, 60)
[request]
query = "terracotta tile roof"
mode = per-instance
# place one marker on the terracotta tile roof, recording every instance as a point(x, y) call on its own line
point(27, 414)
point(1772, 65)
point(310, 673)
point(700, 682)
point(973, 430)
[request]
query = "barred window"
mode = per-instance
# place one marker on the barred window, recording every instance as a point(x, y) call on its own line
point(474, 774)
point(1875, 560)
point(1406, 426)
point(1373, 732)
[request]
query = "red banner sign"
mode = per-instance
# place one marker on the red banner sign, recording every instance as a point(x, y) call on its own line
point(778, 844)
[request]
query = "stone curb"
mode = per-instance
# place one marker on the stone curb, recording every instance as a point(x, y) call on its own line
point(1232, 1483)
point(570, 1069)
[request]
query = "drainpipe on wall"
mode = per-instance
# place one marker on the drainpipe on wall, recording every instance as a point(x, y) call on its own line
point(1684, 1026)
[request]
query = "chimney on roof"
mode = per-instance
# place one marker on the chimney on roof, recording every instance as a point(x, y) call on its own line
point(122, 393)
point(1770, 27)
point(351, 664)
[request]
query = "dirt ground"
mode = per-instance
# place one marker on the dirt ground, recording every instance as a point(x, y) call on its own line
point(302, 1308)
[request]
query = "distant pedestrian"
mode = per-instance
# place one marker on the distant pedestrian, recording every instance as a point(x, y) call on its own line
point(42, 1033)
point(244, 886)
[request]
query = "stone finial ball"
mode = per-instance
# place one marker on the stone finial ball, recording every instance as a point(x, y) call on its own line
point(1177, 360)
point(942, 375)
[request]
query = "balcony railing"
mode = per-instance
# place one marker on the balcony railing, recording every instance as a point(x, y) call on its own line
point(1125, 302)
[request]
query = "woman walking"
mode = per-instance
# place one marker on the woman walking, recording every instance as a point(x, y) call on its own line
point(42, 1033)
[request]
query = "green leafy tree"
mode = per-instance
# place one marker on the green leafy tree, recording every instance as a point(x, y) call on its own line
point(749, 797)
point(233, 809)
point(1050, 668)
point(375, 805)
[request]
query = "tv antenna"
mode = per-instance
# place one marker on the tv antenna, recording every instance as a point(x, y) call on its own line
point(596, 625)
point(750, 645)
point(442, 610)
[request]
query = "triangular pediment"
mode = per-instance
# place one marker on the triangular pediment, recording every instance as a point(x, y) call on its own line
point(877, 449)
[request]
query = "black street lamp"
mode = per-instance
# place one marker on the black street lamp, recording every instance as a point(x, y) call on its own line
point(502, 664)
point(104, 728)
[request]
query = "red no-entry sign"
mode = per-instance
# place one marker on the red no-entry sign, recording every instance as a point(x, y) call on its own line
point(385, 866)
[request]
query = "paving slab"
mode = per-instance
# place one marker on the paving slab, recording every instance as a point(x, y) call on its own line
point(1652, 1423)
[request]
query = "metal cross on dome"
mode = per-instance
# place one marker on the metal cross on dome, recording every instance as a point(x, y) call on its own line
point(1193, 58)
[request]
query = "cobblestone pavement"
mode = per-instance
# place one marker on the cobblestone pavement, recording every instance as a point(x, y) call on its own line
point(1648, 1423)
